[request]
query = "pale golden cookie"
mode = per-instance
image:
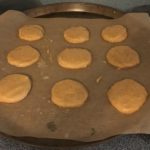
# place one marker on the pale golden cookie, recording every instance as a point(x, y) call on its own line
point(76, 34)
point(69, 93)
point(127, 96)
point(114, 33)
point(14, 88)
point(74, 58)
point(122, 57)
point(23, 56)
point(31, 32)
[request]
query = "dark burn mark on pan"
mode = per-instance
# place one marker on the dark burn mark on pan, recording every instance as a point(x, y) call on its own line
point(93, 131)
point(52, 126)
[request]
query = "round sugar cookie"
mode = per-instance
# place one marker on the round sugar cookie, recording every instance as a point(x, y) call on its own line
point(114, 33)
point(31, 32)
point(78, 34)
point(127, 96)
point(74, 58)
point(122, 57)
point(69, 93)
point(14, 88)
point(23, 56)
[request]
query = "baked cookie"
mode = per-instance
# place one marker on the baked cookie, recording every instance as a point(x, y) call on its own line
point(31, 32)
point(76, 34)
point(68, 93)
point(122, 57)
point(74, 58)
point(114, 33)
point(127, 96)
point(14, 88)
point(23, 56)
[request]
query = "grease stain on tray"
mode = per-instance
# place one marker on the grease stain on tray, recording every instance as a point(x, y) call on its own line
point(93, 131)
point(52, 126)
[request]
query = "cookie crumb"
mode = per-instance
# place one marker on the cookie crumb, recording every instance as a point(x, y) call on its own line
point(37, 109)
point(50, 58)
point(43, 97)
point(104, 62)
point(48, 51)
point(40, 113)
point(98, 79)
point(66, 136)
point(21, 115)
point(42, 64)
point(3, 69)
point(45, 77)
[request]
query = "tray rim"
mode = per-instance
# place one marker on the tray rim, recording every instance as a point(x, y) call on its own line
point(74, 7)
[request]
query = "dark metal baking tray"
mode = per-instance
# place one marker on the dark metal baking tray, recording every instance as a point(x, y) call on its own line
point(81, 10)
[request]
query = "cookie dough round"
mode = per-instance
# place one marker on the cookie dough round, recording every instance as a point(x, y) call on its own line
point(69, 93)
point(14, 88)
point(122, 57)
point(114, 33)
point(31, 32)
point(74, 58)
point(76, 34)
point(127, 96)
point(23, 56)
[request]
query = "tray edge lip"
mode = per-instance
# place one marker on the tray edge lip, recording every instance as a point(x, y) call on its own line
point(114, 10)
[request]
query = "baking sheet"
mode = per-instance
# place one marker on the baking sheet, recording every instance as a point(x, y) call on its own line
point(37, 116)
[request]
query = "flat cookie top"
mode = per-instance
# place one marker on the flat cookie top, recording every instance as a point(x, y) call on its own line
point(69, 93)
point(14, 88)
point(74, 58)
point(23, 56)
point(114, 33)
point(127, 96)
point(31, 32)
point(122, 57)
point(78, 34)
